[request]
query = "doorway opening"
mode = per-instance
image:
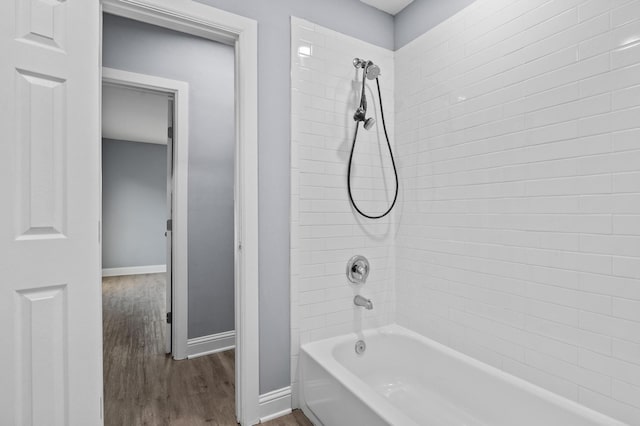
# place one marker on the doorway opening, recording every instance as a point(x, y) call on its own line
point(240, 33)
point(137, 194)
point(145, 142)
point(194, 159)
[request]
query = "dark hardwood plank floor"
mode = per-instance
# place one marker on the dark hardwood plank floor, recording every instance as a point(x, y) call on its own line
point(143, 386)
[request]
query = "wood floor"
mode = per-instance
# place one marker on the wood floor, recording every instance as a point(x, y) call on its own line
point(143, 386)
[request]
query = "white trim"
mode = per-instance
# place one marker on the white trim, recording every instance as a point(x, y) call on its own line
point(134, 270)
point(211, 344)
point(275, 404)
point(246, 233)
point(179, 237)
point(205, 21)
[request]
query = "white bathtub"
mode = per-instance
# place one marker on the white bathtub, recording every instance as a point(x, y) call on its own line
point(406, 379)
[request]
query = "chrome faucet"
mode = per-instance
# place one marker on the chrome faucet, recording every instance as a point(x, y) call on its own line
point(364, 302)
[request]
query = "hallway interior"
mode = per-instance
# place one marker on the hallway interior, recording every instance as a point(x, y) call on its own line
point(144, 386)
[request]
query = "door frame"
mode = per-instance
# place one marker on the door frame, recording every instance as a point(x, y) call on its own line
point(179, 267)
point(214, 24)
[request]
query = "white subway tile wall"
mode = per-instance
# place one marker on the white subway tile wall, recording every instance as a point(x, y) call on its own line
point(325, 231)
point(518, 132)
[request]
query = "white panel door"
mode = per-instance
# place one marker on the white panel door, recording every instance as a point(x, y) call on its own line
point(50, 293)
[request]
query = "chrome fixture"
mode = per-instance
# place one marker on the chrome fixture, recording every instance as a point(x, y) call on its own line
point(358, 269)
point(363, 301)
point(371, 71)
point(360, 115)
point(369, 122)
point(361, 346)
point(359, 63)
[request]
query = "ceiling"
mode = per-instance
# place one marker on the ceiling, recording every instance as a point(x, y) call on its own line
point(134, 115)
point(390, 6)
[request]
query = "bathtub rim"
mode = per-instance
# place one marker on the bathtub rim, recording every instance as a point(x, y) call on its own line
point(321, 352)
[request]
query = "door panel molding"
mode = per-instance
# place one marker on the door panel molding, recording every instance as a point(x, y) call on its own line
point(42, 22)
point(42, 381)
point(41, 135)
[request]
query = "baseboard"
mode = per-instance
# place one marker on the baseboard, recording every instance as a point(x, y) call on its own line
point(275, 404)
point(211, 344)
point(134, 270)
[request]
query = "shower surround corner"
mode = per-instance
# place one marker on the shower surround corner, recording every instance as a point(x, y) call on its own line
point(516, 239)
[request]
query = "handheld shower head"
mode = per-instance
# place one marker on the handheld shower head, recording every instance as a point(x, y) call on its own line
point(371, 70)
point(369, 122)
point(360, 115)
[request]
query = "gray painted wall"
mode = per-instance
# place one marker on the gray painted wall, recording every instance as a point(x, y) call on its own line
point(274, 121)
point(134, 209)
point(422, 15)
point(208, 67)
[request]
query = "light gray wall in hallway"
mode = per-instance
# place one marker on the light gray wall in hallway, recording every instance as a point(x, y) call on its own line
point(274, 50)
point(208, 67)
point(422, 15)
point(134, 209)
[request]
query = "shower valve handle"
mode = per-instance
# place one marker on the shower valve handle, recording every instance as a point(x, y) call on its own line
point(358, 269)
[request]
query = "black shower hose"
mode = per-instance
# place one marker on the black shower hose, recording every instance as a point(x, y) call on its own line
point(353, 146)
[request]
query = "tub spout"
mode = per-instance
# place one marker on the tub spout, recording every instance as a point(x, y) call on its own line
point(361, 301)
